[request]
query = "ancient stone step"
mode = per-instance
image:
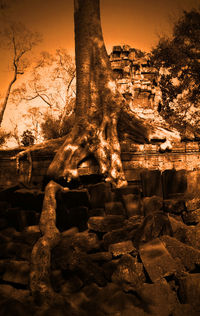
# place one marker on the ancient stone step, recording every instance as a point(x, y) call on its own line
point(157, 260)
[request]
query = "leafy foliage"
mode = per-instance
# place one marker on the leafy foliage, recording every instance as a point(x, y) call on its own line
point(52, 127)
point(28, 138)
point(178, 61)
point(3, 136)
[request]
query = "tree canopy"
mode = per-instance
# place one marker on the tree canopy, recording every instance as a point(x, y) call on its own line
point(178, 60)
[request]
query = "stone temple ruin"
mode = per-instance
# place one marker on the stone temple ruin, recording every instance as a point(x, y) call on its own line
point(136, 78)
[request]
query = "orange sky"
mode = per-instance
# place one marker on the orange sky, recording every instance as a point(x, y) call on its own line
point(134, 22)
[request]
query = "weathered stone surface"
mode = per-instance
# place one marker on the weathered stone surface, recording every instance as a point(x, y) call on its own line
point(157, 260)
point(19, 218)
point(85, 241)
point(193, 204)
point(130, 189)
point(72, 198)
point(66, 218)
point(28, 199)
point(100, 256)
point(100, 194)
point(153, 226)
point(132, 204)
point(96, 212)
point(16, 272)
point(189, 290)
point(114, 208)
point(69, 232)
point(151, 183)
point(122, 248)
point(186, 256)
point(8, 291)
point(88, 270)
point(186, 234)
point(191, 217)
point(152, 204)
point(129, 271)
point(158, 298)
point(174, 181)
point(15, 250)
point(57, 279)
point(71, 285)
point(105, 223)
point(12, 306)
point(174, 206)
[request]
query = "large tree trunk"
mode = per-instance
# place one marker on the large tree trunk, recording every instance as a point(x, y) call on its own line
point(98, 104)
point(101, 115)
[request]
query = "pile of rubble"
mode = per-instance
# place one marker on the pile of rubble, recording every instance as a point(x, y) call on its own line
point(120, 253)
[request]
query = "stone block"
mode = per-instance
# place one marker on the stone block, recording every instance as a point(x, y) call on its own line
point(16, 272)
point(153, 226)
point(132, 204)
point(151, 183)
point(96, 212)
point(71, 285)
point(15, 250)
point(114, 208)
point(67, 218)
point(19, 218)
point(85, 241)
point(191, 217)
point(193, 204)
point(157, 260)
point(28, 199)
point(130, 189)
point(189, 290)
point(152, 204)
point(193, 184)
point(116, 235)
point(72, 199)
point(158, 298)
point(174, 206)
point(105, 223)
point(100, 193)
point(187, 257)
point(130, 271)
point(186, 234)
point(69, 232)
point(122, 248)
point(100, 256)
point(174, 181)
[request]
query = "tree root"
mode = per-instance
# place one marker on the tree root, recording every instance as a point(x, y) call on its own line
point(41, 254)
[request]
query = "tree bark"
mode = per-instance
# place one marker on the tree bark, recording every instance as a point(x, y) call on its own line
point(100, 112)
point(99, 105)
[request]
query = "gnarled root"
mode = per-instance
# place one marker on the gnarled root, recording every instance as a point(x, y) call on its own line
point(41, 254)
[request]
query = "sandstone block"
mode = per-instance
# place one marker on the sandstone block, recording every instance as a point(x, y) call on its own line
point(191, 217)
point(193, 204)
point(186, 256)
point(174, 206)
point(152, 204)
point(105, 223)
point(189, 290)
point(157, 260)
point(100, 193)
point(16, 272)
point(122, 248)
point(132, 204)
point(114, 208)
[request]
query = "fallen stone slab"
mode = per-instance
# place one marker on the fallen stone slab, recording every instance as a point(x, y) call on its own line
point(189, 290)
point(189, 235)
point(105, 223)
point(129, 271)
point(122, 248)
point(186, 256)
point(16, 271)
point(157, 260)
point(132, 204)
point(152, 204)
point(191, 217)
point(193, 204)
point(85, 241)
point(114, 208)
point(158, 298)
point(174, 206)
point(100, 193)
point(103, 256)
